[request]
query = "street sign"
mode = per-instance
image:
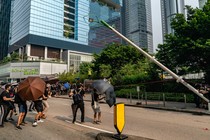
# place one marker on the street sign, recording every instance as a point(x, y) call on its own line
point(137, 88)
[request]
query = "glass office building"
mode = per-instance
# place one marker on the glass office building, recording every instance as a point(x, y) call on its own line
point(44, 29)
point(5, 7)
point(100, 36)
point(137, 22)
point(169, 8)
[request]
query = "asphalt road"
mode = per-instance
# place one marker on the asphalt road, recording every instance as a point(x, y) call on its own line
point(155, 124)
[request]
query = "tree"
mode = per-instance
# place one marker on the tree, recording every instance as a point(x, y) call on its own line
point(124, 64)
point(188, 48)
point(116, 55)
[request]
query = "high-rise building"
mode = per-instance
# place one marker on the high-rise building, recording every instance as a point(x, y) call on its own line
point(51, 30)
point(169, 8)
point(5, 7)
point(202, 3)
point(99, 35)
point(137, 22)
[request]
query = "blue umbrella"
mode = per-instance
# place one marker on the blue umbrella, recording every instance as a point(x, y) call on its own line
point(67, 85)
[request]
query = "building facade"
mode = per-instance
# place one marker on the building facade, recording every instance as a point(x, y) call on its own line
point(99, 35)
point(137, 22)
point(169, 8)
point(5, 8)
point(53, 30)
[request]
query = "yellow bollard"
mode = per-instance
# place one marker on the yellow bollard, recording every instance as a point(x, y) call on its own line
point(119, 120)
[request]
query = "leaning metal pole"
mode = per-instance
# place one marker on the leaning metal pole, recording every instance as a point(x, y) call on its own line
point(178, 79)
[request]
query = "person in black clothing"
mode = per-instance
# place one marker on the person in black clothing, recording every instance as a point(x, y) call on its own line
point(5, 97)
point(78, 103)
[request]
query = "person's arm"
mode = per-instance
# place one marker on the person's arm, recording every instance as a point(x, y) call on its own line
point(44, 97)
point(8, 99)
point(100, 98)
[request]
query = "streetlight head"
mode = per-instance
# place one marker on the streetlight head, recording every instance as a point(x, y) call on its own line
point(91, 20)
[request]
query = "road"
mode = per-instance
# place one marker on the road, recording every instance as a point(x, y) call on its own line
point(154, 124)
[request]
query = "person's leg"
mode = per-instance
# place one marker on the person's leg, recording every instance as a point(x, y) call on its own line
point(24, 116)
point(20, 118)
point(94, 117)
point(75, 114)
point(2, 115)
point(6, 112)
point(31, 107)
point(46, 106)
point(99, 116)
point(82, 109)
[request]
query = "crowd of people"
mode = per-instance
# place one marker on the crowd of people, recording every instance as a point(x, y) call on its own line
point(9, 99)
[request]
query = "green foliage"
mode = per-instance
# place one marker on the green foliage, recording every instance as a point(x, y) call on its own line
point(124, 64)
point(117, 56)
point(105, 70)
point(85, 67)
point(14, 56)
point(65, 76)
point(188, 49)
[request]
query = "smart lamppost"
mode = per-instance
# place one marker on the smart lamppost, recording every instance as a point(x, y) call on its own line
point(152, 59)
point(21, 64)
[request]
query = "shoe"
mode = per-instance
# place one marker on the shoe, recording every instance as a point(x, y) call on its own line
point(6, 121)
point(40, 121)
point(11, 119)
point(16, 114)
point(99, 121)
point(24, 123)
point(35, 124)
point(18, 127)
point(95, 122)
point(73, 122)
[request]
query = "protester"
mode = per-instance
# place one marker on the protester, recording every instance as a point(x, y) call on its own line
point(22, 111)
point(5, 97)
point(45, 103)
point(39, 108)
point(12, 93)
point(78, 103)
point(96, 107)
point(1, 109)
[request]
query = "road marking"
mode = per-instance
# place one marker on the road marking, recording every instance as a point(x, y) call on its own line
point(91, 127)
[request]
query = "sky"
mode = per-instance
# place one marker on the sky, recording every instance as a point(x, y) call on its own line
point(156, 23)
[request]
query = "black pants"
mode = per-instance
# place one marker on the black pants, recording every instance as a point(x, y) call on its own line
point(82, 109)
point(6, 111)
point(2, 114)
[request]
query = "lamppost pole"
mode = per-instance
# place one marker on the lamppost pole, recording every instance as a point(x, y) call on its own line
point(178, 78)
point(21, 64)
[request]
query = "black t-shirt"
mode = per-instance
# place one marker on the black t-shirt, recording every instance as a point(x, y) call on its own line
point(7, 95)
point(95, 97)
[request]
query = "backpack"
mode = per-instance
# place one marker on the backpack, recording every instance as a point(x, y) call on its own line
point(77, 98)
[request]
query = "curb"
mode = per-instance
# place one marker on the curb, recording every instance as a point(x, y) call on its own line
point(160, 108)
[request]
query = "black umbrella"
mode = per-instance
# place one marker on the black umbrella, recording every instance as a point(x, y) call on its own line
point(103, 87)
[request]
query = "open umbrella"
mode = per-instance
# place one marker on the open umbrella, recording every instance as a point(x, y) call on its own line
point(31, 88)
point(103, 87)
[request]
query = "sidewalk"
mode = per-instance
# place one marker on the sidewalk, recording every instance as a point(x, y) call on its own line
point(170, 106)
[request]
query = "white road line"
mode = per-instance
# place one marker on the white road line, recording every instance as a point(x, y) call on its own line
point(91, 127)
